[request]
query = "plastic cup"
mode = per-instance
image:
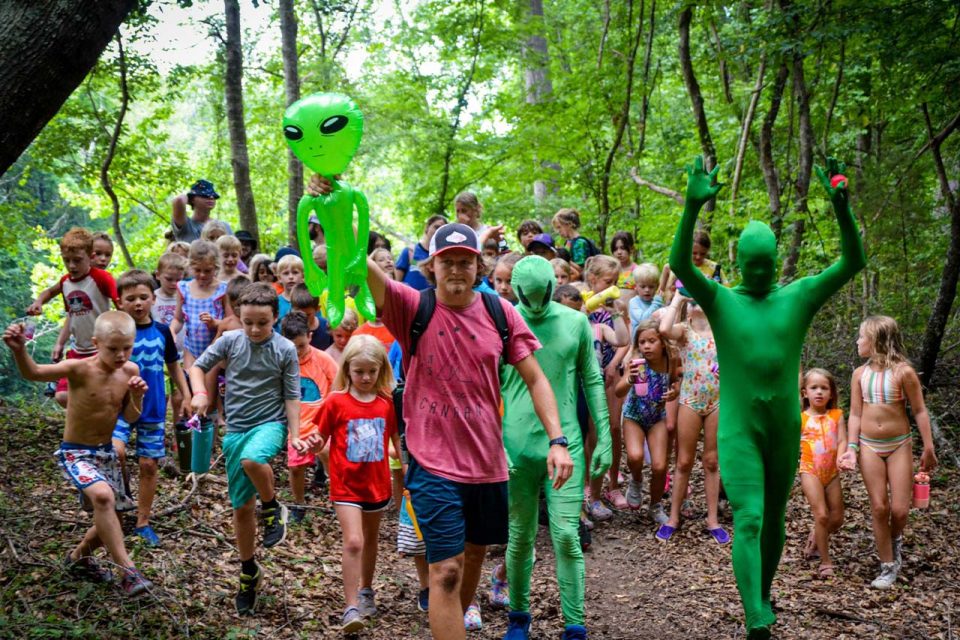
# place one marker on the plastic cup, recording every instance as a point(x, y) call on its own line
point(202, 447)
point(921, 491)
point(29, 329)
point(641, 387)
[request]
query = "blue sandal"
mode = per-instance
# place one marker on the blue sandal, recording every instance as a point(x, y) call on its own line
point(720, 535)
point(665, 532)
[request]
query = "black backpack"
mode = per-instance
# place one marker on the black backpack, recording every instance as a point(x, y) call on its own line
point(428, 303)
point(592, 249)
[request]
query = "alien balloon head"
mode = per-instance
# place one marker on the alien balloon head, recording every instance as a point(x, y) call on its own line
point(324, 131)
point(534, 281)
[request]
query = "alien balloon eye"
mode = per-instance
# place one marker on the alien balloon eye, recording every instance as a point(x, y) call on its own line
point(333, 124)
point(291, 132)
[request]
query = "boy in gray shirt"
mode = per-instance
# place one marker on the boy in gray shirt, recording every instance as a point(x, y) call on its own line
point(262, 406)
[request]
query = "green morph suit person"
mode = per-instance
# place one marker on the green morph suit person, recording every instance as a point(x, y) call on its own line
point(759, 327)
point(567, 358)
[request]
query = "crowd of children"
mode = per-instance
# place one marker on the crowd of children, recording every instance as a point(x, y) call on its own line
point(288, 383)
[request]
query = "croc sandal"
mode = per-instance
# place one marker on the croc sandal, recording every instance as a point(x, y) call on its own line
point(720, 535)
point(665, 532)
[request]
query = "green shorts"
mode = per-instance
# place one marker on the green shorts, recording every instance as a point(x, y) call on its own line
point(259, 444)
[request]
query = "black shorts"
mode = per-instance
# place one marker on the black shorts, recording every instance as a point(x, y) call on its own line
point(366, 507)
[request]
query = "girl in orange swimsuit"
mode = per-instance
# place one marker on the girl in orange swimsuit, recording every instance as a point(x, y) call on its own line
point(880, 432)
point(822, 429)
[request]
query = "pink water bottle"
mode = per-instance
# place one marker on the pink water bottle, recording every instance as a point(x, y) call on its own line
point(640, 385)
point(921, 490)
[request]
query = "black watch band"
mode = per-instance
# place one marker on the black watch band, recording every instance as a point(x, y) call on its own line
point(562, 441)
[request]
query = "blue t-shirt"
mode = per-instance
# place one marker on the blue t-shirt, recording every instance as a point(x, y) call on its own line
point(152, 348)
point(412, 276)
point(283, 308)
point(640, 310)
point(321, 338)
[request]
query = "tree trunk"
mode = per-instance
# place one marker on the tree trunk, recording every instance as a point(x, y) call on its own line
point(111, 151)
point(804, 164)
point(291, 85)
point(767, 164)
point(745, 133)
point(46, 50)
point(696, 99)
point(239, 158)
point(539, 89)
point(647, 88)
point(622, 118)
point(937, 323)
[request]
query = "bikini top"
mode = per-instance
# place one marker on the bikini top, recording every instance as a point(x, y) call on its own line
point(880, 387)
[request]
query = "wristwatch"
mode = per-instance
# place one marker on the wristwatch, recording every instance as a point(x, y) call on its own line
point(562, 441)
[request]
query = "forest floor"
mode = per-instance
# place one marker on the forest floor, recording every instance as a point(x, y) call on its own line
point(636, 587)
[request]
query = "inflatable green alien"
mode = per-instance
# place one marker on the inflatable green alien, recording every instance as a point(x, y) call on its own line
point(324, 131)
point(568, 360)
point(759, 327)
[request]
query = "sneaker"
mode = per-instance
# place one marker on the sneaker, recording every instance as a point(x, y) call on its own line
point(246, 600)
point(598, 511)
point(148, 535)
point(587, 522)
point(634, 495)
point(133, 582)
point(888, 575)
point(574, 632)
point(297, 514)
point(898, 552)
point(687, 511)
point(658, 514)
point(87, 568)
point(274, 525)
point(518, 627)
point(499, 595)
point(423, 600)
point(615, 497)
point(352, 621)
point(471, 619)
point(367, 602)
point(319, 477)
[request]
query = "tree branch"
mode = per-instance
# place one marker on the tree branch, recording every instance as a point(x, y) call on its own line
point(111, 151)
point(656, 188)
point(745, 132)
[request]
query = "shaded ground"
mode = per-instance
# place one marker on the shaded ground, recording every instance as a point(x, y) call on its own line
point(636, 587)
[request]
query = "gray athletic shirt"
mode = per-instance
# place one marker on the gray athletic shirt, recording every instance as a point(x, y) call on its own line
point(260, 377)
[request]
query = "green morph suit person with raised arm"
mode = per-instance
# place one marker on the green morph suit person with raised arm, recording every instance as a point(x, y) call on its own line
point(759, 327)
point(567, 358)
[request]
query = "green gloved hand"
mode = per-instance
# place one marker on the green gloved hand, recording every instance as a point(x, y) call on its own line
point(839, 195)
point(701, 187)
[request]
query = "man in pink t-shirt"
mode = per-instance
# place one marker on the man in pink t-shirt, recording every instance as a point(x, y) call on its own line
point(458, 470)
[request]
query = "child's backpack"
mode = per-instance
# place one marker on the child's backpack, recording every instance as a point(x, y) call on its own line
point(592, 249)
point(428, 303)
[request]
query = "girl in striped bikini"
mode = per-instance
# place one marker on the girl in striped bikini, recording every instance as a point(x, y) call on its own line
point(880, 432)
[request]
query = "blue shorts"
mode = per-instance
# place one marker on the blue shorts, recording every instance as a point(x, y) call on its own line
point(149, 437)
point(452, 513)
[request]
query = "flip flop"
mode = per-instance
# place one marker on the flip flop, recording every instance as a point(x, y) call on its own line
point(720, 535)
point(665, 532)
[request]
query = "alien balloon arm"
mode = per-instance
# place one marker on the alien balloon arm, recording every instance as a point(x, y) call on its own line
point(358, 262)
point(700, 189)
point(313, 276)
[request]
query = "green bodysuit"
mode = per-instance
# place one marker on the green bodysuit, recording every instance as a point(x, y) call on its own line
point(567, 358)
point(759, 328)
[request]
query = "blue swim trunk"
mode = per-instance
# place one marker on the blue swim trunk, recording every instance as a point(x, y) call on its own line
point(259, 444)
point(452, 513)
point(149, 437)
point(84, 465)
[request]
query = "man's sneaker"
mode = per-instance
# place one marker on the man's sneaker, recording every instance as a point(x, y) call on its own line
point(574, 632)
point(888, 575)
point(598, 511)
point(87, 568)
point(297, 514)
point(658, 515)
point(898, 551)
point(518, 626)
point(352, 621)
point(246, 600)
point(423, 600)
point(134, 582)
point(367, 602)
point(148, 535)
point(274, 525)
point(634, 495)
point(499, 595)
point(471, 619)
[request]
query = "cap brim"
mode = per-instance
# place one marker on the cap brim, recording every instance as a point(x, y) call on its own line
point(472, 250)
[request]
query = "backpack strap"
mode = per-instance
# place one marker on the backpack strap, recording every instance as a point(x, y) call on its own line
point(428, 303)
point(495, 310)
